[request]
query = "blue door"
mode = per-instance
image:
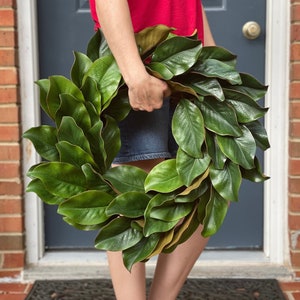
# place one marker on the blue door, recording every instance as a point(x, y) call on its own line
point(66, 25)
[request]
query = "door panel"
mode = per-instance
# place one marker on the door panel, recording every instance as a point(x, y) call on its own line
point(66, 25)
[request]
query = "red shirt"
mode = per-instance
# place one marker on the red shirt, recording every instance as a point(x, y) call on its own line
point(184, 15)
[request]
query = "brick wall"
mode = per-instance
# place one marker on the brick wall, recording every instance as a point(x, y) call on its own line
point(294, 143)
point(11, 209)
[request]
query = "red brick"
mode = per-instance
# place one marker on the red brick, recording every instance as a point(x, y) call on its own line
point(295, 110)
point(10, 152)
point(294, 222)
point(294, 129)
point(7, 17)
point(10, 170)
point(9, 3)
point(9, 133)
point(10, 188)
point(294, 204)
point(8, 38)
point(13, 287)
point(13, 297)
point(296, 296)
point(10, 273)
point(8, 57)
point(11, 224)
point(8, 95)
point(295, 13)
point(295, 90)
point(295, 71)
point(13, 260)
point(295, 32)
point(8, 76)
point(9, 114)
point(294, 185)
point(290, 286)
point(295, 259)
point(294, 148)
point(11, 243)
point(295, 52)
point(294, 167)
point(11, 206)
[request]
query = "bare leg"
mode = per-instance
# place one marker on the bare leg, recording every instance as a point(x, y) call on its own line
point(172, 269)
point(129, 285)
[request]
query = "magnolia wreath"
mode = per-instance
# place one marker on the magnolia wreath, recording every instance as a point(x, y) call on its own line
point(215, 124)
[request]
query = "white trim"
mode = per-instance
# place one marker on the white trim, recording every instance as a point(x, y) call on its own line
point(277, 62)
point(277, 122)
point(28, 54)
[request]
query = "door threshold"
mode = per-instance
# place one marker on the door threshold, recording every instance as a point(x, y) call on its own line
point(57, 265)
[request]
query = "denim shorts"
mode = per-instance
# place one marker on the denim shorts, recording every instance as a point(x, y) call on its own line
point(147, 135)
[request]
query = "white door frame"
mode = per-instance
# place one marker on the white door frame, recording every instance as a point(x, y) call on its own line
point(276, 244)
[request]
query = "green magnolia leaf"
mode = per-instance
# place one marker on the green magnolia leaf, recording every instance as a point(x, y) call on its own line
point(205, 86)
point(247, 110)
point(240, 150)
point(188, 128)
point(129, 204)
point(188, 226)
point(119, 107)
point(117, 235)
point(106, 73)
point(97, 145)
point(70, 132)
point(177, 87)
point(37, 186)
point(80, 66)
point(97, 46)
point(157, 226)
point(218, 53)
point(195, 191)
point(73, 154)
point(92, 94)
point(111, 139)
point(254, 174)
point(163, 177)
point(60, 179)
point(81, 227)
point(178, 54)
point(171, 212)
point(140, 251)
point(94, 180)
point(44, 140)
point(154, 225)
point(71, 107)
point(87, 208)
point(227, 182)
point(260, 134)
point(60, 85)
point(126, 178)
point(202, 204)
point(160, 70)
point(219, 117)
point(215, 68)
point(251, 87)
point(216, 211)
point(150, 37)
point(214, 151)
point(189, 167)
point(44, 86)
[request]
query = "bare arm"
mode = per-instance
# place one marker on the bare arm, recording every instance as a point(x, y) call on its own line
point(208, 37)
point(145, 91)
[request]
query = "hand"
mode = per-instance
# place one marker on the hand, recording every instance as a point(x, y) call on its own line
point(147, 93)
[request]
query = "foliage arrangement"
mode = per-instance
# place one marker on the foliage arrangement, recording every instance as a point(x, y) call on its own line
point(215, 124)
